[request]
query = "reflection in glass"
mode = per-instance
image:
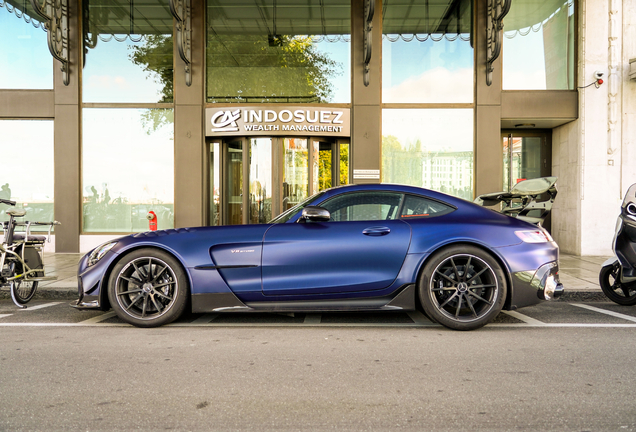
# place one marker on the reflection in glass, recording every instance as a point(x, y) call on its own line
point(25, 61)
point(323, 162)
point(215, 184)
point(431, 148)
point(344, 163)
point(128, 52)
point(260, 180)
point(525, 156)
point(127, 169)
point(279, 53)
point(234, 183)
point(426, 52)
point(295, 171)
point(27, 179)
point(538, 45)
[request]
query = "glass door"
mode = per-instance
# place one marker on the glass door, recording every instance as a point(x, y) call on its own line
point(252, 180)
point(233, 208)
point(260, 180)
point(526, 155)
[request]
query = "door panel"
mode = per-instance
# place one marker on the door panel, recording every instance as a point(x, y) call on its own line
point(333, 257)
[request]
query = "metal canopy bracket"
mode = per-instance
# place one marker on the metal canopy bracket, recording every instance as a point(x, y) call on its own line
point(369, 11)
point(182, 11)
point(497, 10)
point(54, 14)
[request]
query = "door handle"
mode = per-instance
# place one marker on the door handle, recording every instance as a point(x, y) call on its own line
point(376, 231)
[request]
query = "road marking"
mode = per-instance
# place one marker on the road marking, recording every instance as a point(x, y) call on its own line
point(606, 312)
point(526, 319)
point(5, 315)
point(205, 319)
point(99, 318)
point(419, 318)
point(343, 325)
point(313, 318)
point(42, 306)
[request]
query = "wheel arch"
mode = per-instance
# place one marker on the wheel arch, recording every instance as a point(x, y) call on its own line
point(502, 263)
point(103, 293)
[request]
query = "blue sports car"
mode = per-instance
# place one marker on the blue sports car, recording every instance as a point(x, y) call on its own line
point(350, 248)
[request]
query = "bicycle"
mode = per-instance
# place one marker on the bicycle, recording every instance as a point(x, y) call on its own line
point(21, 256)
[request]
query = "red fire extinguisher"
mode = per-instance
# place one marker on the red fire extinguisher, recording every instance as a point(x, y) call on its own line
point(152, 220)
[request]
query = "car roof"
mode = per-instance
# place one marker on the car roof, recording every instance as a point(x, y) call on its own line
point(390, 187)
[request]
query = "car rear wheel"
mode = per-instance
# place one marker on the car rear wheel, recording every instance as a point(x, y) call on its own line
point(462, 287)
point(148, 288)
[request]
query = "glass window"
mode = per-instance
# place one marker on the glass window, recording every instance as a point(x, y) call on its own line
point(128, 52)
point(260, 180)
point(25, 60)
point(538, 45)
point(271, 52)
point(127, 169)
point(363, 206)
point(28, 178)
point(417, 206)
point(426, 52)
point(234, 183)
point(431, 148)
point(295, 171)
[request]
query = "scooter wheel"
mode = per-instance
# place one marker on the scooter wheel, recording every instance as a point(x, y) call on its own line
point(621, 293)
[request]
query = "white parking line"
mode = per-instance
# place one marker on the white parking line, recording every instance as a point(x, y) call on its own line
point(206, 318)
point(5, 315)
point(419, 318)
point(313, 318)
point(42, 306)
point(526, 319)
point(89, 323)
point(99, 318)
point(606, 312)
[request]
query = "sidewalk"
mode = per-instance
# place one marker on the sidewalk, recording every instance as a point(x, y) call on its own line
point(579, 275)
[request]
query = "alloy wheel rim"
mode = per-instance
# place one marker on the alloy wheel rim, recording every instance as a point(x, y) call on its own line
point(464, 288)
point(146, 288)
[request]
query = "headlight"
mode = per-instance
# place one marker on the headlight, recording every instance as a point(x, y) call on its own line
point(535, 236)
point(99, 252)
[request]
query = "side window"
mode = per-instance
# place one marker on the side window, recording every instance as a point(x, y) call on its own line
point(363, 206)
point(417, 206)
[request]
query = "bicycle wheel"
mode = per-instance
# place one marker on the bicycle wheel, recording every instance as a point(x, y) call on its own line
point(23, 291)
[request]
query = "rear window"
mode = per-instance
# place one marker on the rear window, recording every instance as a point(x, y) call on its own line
point(418, 206)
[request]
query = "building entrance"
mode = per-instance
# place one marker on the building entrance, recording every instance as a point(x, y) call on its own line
point(526, 155)
point(254, 179)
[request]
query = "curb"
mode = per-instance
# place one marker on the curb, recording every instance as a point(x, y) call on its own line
point(71, 294)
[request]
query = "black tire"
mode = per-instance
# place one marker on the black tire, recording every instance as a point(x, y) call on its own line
point(148, 288)
point(621, 293)
point(462, 287)
point(23, 291)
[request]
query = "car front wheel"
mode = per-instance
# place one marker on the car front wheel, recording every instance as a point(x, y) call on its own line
point(148, 288)
point(462, 287)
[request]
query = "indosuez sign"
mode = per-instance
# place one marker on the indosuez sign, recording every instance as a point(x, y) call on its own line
point(284, 120)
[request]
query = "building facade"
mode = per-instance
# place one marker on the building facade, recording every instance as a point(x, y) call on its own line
point(216, 112)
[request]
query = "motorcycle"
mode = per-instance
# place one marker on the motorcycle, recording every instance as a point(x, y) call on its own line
point(618, 274)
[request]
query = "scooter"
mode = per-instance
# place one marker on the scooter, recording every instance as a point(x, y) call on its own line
point(618, 274)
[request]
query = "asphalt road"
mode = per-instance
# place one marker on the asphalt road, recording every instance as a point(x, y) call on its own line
point(557, 366)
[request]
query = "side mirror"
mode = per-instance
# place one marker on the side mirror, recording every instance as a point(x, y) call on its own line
point(314, 214)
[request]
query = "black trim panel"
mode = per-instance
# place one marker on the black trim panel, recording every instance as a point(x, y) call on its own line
point(216, 267)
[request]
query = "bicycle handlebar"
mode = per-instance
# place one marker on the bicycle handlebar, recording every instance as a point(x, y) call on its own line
point(4, 201)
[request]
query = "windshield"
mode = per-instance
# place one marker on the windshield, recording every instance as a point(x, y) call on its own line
point(284, 217)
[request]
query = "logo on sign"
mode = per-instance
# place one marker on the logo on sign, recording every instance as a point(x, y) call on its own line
point(222, 119)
